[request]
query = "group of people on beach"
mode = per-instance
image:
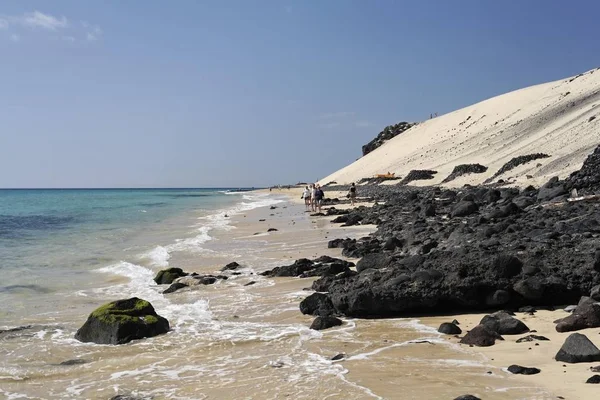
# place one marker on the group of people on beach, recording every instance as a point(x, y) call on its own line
point(313, 197)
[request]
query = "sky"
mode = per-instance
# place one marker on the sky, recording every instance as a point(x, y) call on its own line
point(231, 93)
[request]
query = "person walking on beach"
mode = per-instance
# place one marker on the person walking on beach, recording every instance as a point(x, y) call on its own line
point(319, 197)
point(313, 197)
point(352, 194)
point(306, 197)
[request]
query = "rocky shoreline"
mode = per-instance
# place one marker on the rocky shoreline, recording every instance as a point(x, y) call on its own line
point(439, 252)
point(487, 248)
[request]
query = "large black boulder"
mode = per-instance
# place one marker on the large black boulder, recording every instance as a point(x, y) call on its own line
point(504, 324)
point(464, 209)
point(321, 323)
point(372, 261)
point(449, 328)
point(551, 190)
point(317, 304)
point(578, 348)
point(481, 336)
point(586, 315)
point(122, 321)
point(167, 276)
point(467, 397)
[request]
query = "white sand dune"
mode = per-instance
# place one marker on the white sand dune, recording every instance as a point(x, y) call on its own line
point(551, 118)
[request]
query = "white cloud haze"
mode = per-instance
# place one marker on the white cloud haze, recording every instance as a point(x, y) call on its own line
point(37, 21)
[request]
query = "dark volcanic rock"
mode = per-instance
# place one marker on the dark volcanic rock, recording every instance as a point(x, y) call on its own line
point(167, 276)
point(481, 336)
point(507, 266)
point(531, 338)
point(372, 261)
point(464, 209)
point(517, 369)
point(175, 287)
point(593, 379)
point(296, 269)
point(448, 328)
point(467, 397)
point(578, 348)
point(321, 323)
point(504, 324)
point(418, 175)
point(231, 266)
point(586, 315)
point(389, 132)
point(76, 361)
point(304, 267)
point(505, 251)
point(317, 304)
point(122, 321)
point(465, 169)
point(587, 179)
point(551, 190)
point(515, 162)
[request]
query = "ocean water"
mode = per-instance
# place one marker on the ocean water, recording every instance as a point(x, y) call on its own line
point(52, 242)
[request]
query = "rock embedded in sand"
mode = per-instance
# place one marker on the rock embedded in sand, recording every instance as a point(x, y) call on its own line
point(389, 132)
point(418, 175)
point(464, 169)
point(467, 397)
point(481, 336)
point(122, 321)
point(504, 324)
point(586, 315)
point(167, 276)
point(321, 323)
point(531, 338)
point(517, 369)
point(448, 328)
point(578, 348)
point(593, 379)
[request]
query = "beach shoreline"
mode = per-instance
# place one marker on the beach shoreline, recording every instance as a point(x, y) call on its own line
point(246, 337)
point(555, 376)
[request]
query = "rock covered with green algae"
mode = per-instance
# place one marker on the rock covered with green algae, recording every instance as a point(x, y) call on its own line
point(122, 321)
point(167, 276)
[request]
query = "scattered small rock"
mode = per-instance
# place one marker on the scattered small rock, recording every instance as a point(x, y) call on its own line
point(517, 369)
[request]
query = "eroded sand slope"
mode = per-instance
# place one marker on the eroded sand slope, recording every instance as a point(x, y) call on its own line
point(555, 118)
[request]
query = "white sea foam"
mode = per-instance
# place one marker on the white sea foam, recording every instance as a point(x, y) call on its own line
point(14, 396)
point(158, 256)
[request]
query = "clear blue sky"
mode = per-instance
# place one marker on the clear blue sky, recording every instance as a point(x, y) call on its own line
point(253, 93)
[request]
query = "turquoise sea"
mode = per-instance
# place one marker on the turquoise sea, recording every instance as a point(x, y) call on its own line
point(53, 241)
